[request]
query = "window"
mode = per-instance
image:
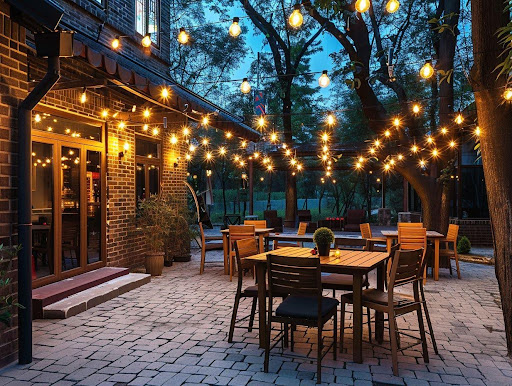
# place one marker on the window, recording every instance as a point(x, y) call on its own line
point(148, 164)
point(147, 15)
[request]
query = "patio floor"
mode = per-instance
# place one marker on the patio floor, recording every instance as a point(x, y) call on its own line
point(174, 331)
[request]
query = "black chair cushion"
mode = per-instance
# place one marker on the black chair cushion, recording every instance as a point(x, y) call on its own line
point(339, 281)
point(305, 307)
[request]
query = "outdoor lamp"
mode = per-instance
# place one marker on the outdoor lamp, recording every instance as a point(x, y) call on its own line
point(296, 19)
point(362, 5)
point(115, 43)
point(427, 70)
point(324, 80)
point(234, 28)
point(245, 87)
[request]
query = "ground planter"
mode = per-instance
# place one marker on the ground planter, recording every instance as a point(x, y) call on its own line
point(154, 263)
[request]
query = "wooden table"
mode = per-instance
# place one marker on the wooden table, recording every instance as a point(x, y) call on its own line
point(431, 235)
point(356, 263)
point(308, 238)
point(260, 232)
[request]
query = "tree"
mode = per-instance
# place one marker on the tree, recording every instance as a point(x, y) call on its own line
point(495, 120)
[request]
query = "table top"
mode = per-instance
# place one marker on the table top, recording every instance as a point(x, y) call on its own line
point(355, 260)
point(257, 230)
point(306, 237)
point(430, 234)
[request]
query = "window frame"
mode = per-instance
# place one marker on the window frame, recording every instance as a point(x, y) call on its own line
point(145, 9)
point(148, 162)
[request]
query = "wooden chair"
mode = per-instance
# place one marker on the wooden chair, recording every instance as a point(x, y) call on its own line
point(410, 224)
point(300, 232)
point(299, 278)
point(449, 253)
point(411, 238)
point(366, 233)
point(238, 232)
point(257, 223)
point(243, 249)
point(407, 268)
point(208, 243)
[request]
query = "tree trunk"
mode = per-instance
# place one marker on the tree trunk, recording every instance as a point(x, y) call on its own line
point(291, 182)
point(495, 120)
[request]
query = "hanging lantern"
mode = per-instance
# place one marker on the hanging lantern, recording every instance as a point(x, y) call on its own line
point(296, 19)
point(362, 6)
point(245, 87)
point(324, 80)
point(183, 37)
point(427, 70)
point(234, 28)
point(392, 6)
point(146, 41)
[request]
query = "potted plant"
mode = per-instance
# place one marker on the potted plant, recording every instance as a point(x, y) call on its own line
point(323, 238)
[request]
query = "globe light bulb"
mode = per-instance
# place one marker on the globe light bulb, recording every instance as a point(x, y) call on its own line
point(83, 97)
point(183, 37)
point(296, 19)
point(392, 6)
point(115, 43)
point(261, 122)
point(234, 28)
point(459, 119)
point(174, 140)
point(37, 118)
point(273, 137)
point(229, 135)
point(245, 87)
point(362, 6)
point(205, 121)
point(164, 93)
point(324, 80)
point(146, 113)
point(427, 70)
point(146, 41)
point(416, 108)
point(331, 119)
point(507, 95)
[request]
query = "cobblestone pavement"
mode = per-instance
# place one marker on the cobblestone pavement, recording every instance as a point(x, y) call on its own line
point(174, 331)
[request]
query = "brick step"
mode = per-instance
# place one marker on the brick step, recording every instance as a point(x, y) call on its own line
point(51, 293)
point(91, 297)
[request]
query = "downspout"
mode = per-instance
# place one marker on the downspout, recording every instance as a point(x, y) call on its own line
point(25, 207)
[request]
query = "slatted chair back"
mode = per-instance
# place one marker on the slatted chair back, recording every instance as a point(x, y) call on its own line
point(453, 233)
point(240, 232)
point(245, 248)
point(366, 231)
point(410, 224)
point(257, 223)
point(294, 276)
point(201, 233)
point(349, 243)
point(407, 267)
point(302, 228)
point(412, 238)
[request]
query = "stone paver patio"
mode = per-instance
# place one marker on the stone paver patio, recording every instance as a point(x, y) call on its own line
point(174, 331)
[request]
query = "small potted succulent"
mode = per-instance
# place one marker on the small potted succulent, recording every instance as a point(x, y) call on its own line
point(323, 238)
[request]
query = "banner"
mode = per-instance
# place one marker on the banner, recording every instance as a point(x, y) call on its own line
point(259, 103)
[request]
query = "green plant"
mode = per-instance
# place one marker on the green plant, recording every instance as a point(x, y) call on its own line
point(7, 302)
point(323, 236)
point(464, 245)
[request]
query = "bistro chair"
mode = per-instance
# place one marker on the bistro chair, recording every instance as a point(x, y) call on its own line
point(257, 223)
point(449, 253)
point(411, 238)
point(366, 233)
point(410, 224)
point(244, 248)
point(407, 268)
point(299, 280)
point(238, 232)
point(300, 232)
point(208, 243)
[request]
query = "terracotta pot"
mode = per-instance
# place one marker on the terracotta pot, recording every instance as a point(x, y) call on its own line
point(323, 250)
point(154, 263)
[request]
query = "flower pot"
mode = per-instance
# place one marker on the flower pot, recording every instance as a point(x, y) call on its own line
point(154, 263)
point(323, 249)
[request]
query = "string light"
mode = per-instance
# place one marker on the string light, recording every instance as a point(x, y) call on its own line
point(330, 120)
point(296, 19)
point(387, 133)
point(83, 96)
point(234, 28)
point(414, 148)
point(361, 159)
point(288, 152)
point(183, 37)
point(358, 165)
point(387, 167)
point(427, 71)
point(104, 114)
point(325, 149)
point(416, 108)
point(121, 125)
point(430, 140)
point(459, 119)
point(164, 93)
point(155, 131)
point(243, 145)
point(209, 156)
point(186, 131)
point(174, 139)
point(145, 127)
point(444, 130)
point(273, 137)
point(37, 118)
point(266, 160)
point(452, 144)
point(256, 155)
point(435, 153)
point(269, 168)
point(396, 122)
point(262, 122)
point(192, 148)
point(229, 134)
point(146, 113)
point(205, 121)
point(362, 6)
point(376, 143)
point(507, 94)
point(245, 87)
point(188, 157)
point(205, 141)
point(400, 157)
point(324, 80)
point(422, 163)
point(477, 131)
point(222, 150)
point(392, 6)
point(115, 43)
point(146, 41)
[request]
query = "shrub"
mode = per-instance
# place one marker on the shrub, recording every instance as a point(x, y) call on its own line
point(464, 245)
point(323, 236)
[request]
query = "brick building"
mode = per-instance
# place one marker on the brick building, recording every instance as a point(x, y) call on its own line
point(94, 149)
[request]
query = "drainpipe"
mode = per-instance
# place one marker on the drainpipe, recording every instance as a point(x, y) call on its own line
point(25, 207)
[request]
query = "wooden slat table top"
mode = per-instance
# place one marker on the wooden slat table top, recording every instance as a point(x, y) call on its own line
point(430, 234)
point(306, 237)
point(257, 230)
point(357, 259)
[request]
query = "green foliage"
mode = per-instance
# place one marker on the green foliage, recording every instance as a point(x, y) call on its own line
point(7, 302)
point(323, 236)
point(464, 245)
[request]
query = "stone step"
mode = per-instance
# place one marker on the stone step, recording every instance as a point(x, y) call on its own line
point(91, 297)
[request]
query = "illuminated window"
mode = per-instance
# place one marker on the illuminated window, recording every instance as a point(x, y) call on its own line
point(147, 15)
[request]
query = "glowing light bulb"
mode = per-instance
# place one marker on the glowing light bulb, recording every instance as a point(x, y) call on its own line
point(205, 141)
point(328, 174)
point(83, 97)
point(183, 37)
point(376, 143)
point(273, 137)
point(435, 153)
point(392, 6)
point(126, 146)
point(237, 158)
point(229, 135)
point(324, 80)
point(209, 156)
point(104, 113)
point(115, 43)
point(444, 130)
point(293, 161)
point(362, 5)
point(261, 122)
point(145, 127)
point(296, 19)
point(234, 28)
point(325, 149)
point(396, 122)
point(430, 140)
point(361, 159)
point(507, 94)
point(422, 163)
point(391, 161)
point(121, 125)
point(243, 145)
point(400, 157)
point(414, 149)
point(146, 41)
point(164, 93)
point(452, 144)
point(269, 168)
point(174, 139)
point(186, 131)
point(256, 155)
point(387, 167)
point(416, 108)
point(146, 113)
point(372, 150)
point(205, 121)
point(155, 131)
point(459, 119)
point(427, 70)
point(188, 157)
point(325, 137)
point(358, 165)
point(192, 148)
point(324, 157)
point(299, 167)
point(477, 131)
point(245, 87)
point(222, 150)
point(387, 133)
point(287, 152)
point(37, 118)
point(331, 120)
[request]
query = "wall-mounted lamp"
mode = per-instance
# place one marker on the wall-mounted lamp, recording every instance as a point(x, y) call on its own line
point(126, 147)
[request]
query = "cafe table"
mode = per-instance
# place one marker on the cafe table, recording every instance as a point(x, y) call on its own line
point(355, 263)
point(431, 235)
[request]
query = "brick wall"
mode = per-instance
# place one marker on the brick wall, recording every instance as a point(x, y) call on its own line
point(478, 232)
point(13, 89)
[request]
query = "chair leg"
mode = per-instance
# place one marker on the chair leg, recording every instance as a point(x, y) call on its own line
point(422, 334)
point(369, 324)
point(342, 324)
point(457, 262)
point(393, 339)
point(203, 258)
point(429, 323)
point(334, 335)
point(253, 312)
point(319, 356)
point(233, 318)
point(285, 337)
point(267, 347)
point(292, 342)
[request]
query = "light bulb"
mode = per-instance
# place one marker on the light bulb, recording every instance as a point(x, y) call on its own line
point(145, 127)
point(396, 122)
point(392, 6)
point(126, 146)
point(37, 118)
point(452, 143)
point(273, 137)
point(229, 135)
point(296, 19)
point(416, 108)
point(331, 120)
point(205, 121)
point(222, 150)
point(325, 137)
point(146, 113)
point(209, 156)
point(186, 131)
point(104, 113)
point(387, 133)
point(414, 149)
point(234, 28)
point(205, 142)
point(459, 119)
point(478, 131)
point(261, 122)
point(245, 87)
point(444, 130)
point(164, 93)
point(115, 43)
point(155, 131)
point(243, 145)
point(83, 97)
point(362, 5)
point(507, 94)
point(324, 80)
point(435, 153)
point(183, 37)
point(146, 41)
point(427, 70)
point(121, 125)
point(174, 139)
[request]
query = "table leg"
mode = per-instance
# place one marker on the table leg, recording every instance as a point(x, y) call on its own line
point(379, 316)
point(262, 305)
point(389, 244)
point(225, 248)
point(358, 318)
point(436, 259)
point(261, 240)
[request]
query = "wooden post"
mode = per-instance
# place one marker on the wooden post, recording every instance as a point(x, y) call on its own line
point(251, 188)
